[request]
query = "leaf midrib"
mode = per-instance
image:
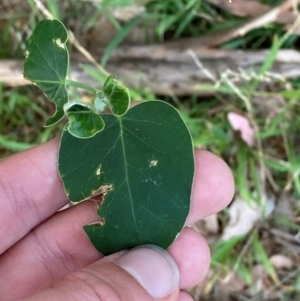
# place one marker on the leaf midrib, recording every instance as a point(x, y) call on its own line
point(127, 178)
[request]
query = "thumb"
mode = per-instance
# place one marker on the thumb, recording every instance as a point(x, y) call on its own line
point(144, 273)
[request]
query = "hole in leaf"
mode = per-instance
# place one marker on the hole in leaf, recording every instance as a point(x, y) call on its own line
point(59, 43)
point(153, 163)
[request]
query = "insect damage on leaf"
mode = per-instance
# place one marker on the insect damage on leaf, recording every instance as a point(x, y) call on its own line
point(99, 223)
point(98, 171)
point(105, 188)
point(59, 43)
point(153, 163)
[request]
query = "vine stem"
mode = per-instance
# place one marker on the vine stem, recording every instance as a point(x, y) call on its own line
point(80, 85)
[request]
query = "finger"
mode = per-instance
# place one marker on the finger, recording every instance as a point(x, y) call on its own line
point(49, 252)
point(31, 190)
point(184, 296)
point(192, 255)
point(145, 273)
point(59, 246)
point(213, 187)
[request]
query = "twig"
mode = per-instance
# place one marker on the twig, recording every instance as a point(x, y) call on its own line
point(285, 279)
point(242, 255)
point(285, 236)
point(207, 73)
point(272, 181)
point(266, 18)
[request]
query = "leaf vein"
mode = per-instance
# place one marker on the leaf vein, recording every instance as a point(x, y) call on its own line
point(127, 179)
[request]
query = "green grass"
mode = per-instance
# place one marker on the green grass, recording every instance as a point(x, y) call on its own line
point(23, 112)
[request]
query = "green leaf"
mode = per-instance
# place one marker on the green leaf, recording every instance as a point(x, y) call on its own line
point(143, 163)
point(46, 63)
point(117, 95)
point(83, 121)
point(222, 249)
point(264, 259)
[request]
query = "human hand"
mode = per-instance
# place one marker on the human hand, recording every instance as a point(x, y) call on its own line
point(45, 255)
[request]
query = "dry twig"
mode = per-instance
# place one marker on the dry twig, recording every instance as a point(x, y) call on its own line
point(222, 36)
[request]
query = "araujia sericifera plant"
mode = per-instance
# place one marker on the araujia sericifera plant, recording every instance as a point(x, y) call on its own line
point(140, 158)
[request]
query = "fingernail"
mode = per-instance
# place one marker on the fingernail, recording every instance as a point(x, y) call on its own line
point(153, 268)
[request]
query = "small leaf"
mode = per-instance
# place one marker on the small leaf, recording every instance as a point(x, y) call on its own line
point(46, 63)
point(143, 162)
point(83, 121)
point(117, 95)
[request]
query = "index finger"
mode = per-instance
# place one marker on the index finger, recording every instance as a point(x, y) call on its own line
point(30, 191)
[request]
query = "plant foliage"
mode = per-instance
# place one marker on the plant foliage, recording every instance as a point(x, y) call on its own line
point(140, 159)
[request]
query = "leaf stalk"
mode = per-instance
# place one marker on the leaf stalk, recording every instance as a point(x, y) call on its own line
point(80, 85)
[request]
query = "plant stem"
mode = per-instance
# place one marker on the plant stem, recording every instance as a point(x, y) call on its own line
point(80, 85)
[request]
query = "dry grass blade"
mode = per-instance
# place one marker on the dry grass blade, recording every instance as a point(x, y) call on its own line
point(222, 36)
point(253, 8)
point(268, 17)
point(241, 8)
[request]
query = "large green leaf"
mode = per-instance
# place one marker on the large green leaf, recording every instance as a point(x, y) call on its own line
point(143, 162)
point(46, 63)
